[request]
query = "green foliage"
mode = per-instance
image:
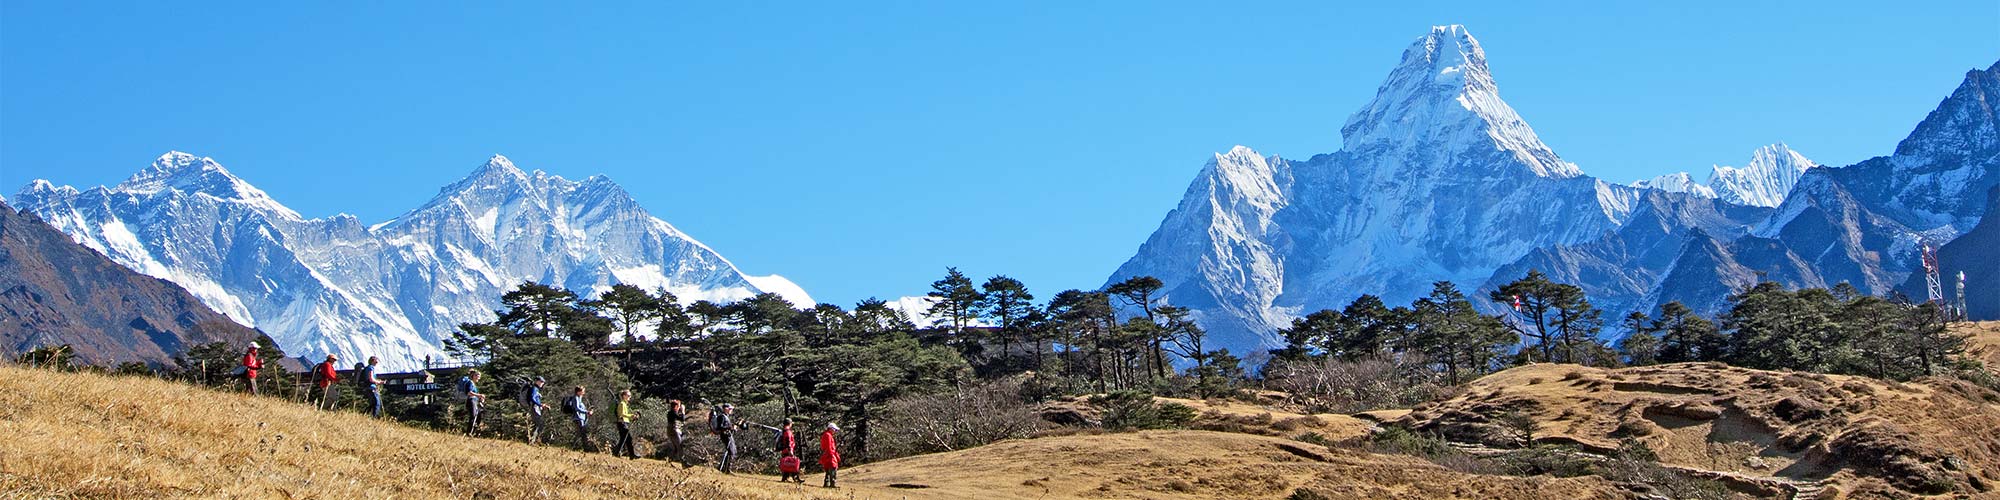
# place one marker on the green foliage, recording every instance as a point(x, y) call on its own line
point(58, 358)
point(1837, 331)
point(1353, 333)
point(1557, 319)
point(1448, 331)
point(957, 301)
point(1135, 410)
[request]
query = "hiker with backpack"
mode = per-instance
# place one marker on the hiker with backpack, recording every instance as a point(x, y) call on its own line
point(538, 421)
point(787, 448)
point(829, 458)
point(475, 402)
point(781, 437)
point(370, 386)
point(676, 415)
point(574, 406)
point(251, 363)
point(625, 426)
point(323, 376)
point(723, 425)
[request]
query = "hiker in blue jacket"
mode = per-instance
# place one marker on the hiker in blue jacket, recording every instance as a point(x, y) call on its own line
point(371, 387)
point(536, 414)
point(580, 414)
point(475, 402)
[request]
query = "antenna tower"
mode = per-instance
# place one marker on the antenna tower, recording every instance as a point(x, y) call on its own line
point(1934, 292)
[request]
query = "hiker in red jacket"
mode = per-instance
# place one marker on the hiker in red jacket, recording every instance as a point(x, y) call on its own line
point(250, 366)
point(829, 458)
point(323, 376)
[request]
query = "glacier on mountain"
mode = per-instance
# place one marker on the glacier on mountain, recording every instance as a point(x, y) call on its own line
point(393, 289)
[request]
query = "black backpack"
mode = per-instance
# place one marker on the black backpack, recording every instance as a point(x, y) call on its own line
point(569, 404)
point(716, 422)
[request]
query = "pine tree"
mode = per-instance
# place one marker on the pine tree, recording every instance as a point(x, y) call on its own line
point(1007, 302)
point(1140, 291)
point(1641, 346)
point(956, 300)
point(675, 323)
point(1685, 336)
point(1537, 298)
point(629, 306)
point(1189, 341)
point(1086, 319)
point(535, 308)
point(1453, 334)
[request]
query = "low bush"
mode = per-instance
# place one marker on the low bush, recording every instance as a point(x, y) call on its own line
point(1134, 410)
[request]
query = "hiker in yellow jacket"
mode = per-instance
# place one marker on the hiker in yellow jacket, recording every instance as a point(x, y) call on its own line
point(625, 447)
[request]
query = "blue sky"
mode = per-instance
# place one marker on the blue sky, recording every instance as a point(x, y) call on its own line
point(860, 149)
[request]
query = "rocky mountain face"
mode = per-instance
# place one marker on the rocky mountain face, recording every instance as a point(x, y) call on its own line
point(394, 289)
point(1976, 256)
point(1438, 179)
point(1865, 224)
point(55, 292)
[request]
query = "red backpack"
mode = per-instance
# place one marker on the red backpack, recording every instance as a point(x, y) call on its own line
point(789, 465)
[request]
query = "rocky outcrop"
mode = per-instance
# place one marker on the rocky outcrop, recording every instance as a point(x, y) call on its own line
point(55, 292)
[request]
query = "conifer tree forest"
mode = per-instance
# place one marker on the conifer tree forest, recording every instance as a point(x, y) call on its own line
point(992, 350)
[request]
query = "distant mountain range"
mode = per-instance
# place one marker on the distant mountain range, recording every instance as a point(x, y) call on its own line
point(392, 289)
point(1772, 172)
point(54, 292)
point(1439, 179)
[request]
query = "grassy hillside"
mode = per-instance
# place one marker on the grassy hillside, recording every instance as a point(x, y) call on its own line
point(1201, 465)
point(1761, 430)
point(94, 436)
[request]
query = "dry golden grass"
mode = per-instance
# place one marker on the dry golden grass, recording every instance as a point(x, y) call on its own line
point(1198, 465)
point(1843, 430)
point(1236, 416)
point(1984, 343)
point(92, 436)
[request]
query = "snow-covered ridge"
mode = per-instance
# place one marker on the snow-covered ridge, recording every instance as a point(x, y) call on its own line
point(1442, 96)
point(1763, 182)
point(392, 289)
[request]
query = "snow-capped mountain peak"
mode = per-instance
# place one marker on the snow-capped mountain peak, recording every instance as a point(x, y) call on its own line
point(1771, 173)
point(190, 174)
point(1442, 97)
point(1763, 182)
point(1678, 182)
point(392, 290)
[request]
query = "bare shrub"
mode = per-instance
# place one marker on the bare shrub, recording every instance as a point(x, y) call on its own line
point(972, 415)
point(1339, 386)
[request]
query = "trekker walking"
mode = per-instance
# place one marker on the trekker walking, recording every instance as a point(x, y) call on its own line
point(532, 399)
point(323, 375)
point(676, 415)
point(625, 426)
point(251, 363)
point(782, 439)
point(371, 387)
point(723, 425)
point(787, 447)
point(579, 413)
point(475, 402)
point(829, 458)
